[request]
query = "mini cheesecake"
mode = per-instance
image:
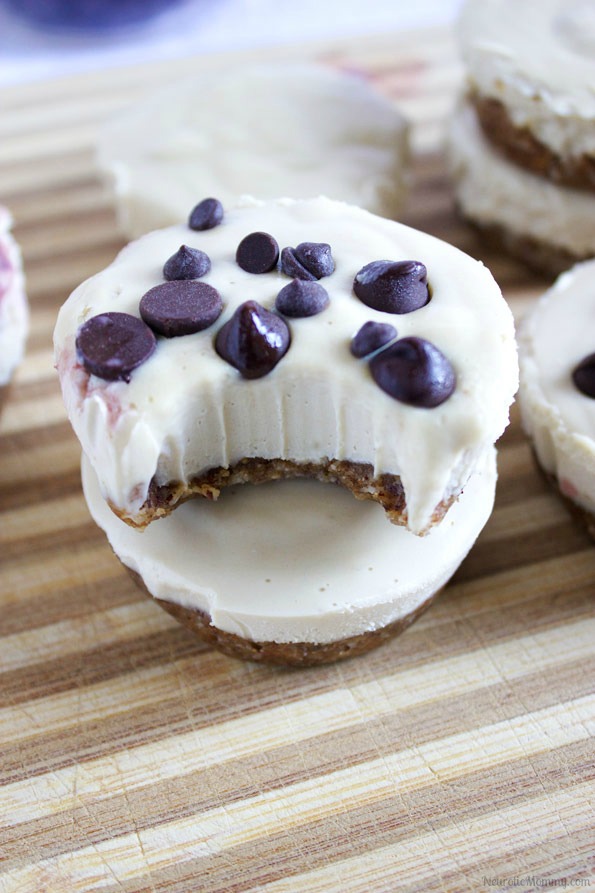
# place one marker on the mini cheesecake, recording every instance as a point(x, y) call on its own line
point(523, 145)
point(546, 225)
point(287, 338)
point(557, 385)
point(14, 316)
point(531, 77)
point(297, 129)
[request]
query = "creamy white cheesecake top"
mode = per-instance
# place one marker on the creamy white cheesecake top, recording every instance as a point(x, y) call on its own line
point(554, 337)
point(538, 58)
point(14, 315)
point(186, 409)
point(296, 561)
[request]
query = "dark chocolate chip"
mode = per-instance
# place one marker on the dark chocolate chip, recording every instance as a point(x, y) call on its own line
point(181, 307)
point(583, 376)
point(414, 371)
point(371, 337)
point(393, 286)
point(310, 260)
point(207, 214)
point(257, 253)
point(301, 298)
point(186, 263)
point(316, 257)
point(253, 340)
point(112, 345)
point(291, 266)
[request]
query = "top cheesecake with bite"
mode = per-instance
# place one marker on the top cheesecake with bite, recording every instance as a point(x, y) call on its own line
point(281, 339)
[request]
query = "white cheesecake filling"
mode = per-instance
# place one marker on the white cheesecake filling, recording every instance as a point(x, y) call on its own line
point(296, 561)
point(291, 129)
point(553, 338)
point(491, 190)
point(538, 58)
point(14, 316)
point(186, 410)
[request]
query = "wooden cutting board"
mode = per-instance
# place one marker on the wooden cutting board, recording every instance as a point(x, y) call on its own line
point(133, 758)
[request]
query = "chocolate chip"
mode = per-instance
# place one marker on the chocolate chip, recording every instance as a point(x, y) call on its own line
point(112, 345)
point(181, 307)
point(316, 257)
point(414, 371)
point(301, 298)
point(257, 253)
point(310, 260)
point(583, 376)
point(186, 263)
point(253, 340)
point(371, 337)
point(393, 286)
point(291, 266)
point(207, 214)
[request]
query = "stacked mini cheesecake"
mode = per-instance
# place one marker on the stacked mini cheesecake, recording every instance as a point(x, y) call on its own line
point(281, 340)
point(522, 143)
point(522, 147)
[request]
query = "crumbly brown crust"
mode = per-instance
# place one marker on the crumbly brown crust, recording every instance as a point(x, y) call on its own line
point(3, 394)
point(542, 257)
point(298, 654)
point(522, 147)
point(358, 477)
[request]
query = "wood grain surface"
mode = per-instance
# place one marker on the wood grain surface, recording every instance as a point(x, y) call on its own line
point(133, 758)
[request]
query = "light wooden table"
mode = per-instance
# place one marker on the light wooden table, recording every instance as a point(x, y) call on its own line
point(135, 759)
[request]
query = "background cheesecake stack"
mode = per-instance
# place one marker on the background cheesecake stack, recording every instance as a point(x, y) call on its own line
point(522, 141)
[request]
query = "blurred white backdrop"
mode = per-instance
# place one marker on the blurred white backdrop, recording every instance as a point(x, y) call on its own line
point(204, 26)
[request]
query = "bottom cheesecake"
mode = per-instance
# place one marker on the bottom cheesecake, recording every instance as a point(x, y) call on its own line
point(294, 572)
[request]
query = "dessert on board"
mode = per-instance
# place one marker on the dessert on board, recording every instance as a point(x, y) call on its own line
point(279, 340)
